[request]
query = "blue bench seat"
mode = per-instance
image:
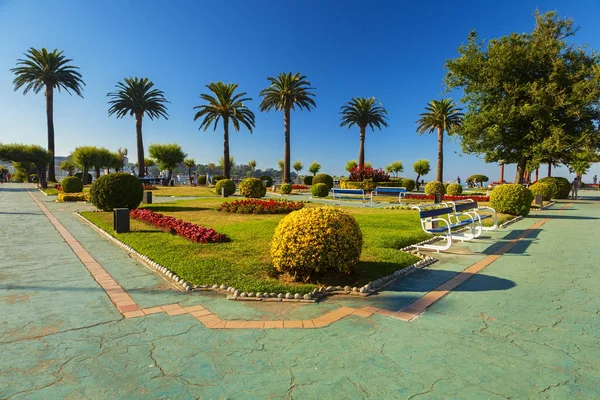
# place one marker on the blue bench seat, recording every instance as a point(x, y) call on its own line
point(384, 190)
point(349, 194)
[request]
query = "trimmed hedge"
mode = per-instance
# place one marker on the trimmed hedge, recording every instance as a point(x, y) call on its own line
point(227, 184)
point(80, 176)
point(202, 180)
point(346, 184)
point(319, 190)
point(286, 188)
point(435, 187)
point(118, 190)
point(513, 199)
point(323, 178)
point(217, 178)
point(63, 197)
point(561, 187)
point(409, 184)
point(544, 188)
point(308, 180)
point(454, 189)
point(389, 184)
point(268, 181)
point(72, 184)
point(253, 188)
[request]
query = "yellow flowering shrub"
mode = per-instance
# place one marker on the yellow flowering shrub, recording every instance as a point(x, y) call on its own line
point(62, 197)
point(316, 241)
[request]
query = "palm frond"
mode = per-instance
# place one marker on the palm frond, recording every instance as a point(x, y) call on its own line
point(440, 114)
point(137, 96)
point(363, 112)
point(287, 91)
point(224, 104)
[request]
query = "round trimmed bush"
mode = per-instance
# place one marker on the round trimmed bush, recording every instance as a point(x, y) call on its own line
point(217, 178)
point(267, 180)
point(72, 184)
point(228, 184)
point(543, 188)
point(202, 180)
point(323, 178)
point(513, 199)
point(308, 180)
point(80, 176)
point(286, 188)
point(454, 189)
point(118, 190)
point(561, 186)
point(320, 241)
point(435, 187)
point(409, 184)
point(253, 188)
point(319, 190)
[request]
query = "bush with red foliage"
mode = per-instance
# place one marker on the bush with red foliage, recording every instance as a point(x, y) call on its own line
point(252, 206)
point(299, 187)
point(193, 232)
point(449, 198)
point(360, 173)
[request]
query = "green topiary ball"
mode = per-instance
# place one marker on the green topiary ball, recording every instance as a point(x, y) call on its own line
point(227, 184)
point(267, 180)
point(544, 188)
point(454, 189)
point(253, 188)
point(319, 190)
point(202, 180)
point(308, 180)
point(323, 178)
point(286, 188)
point(316, 241)
point(72, 184)
point(561, 186)
point(217, 178)
point(409, 184)
point(80, 176)
point(118, 190)
point(435, 187)
point(513, 199)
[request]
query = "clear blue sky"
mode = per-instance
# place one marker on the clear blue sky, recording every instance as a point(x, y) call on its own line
point(393, 50)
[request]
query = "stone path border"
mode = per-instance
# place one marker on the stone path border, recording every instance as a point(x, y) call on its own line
point(129, 308)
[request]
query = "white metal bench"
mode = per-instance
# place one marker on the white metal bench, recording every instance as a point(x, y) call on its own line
point(383, 190)
point(476, 213)
point(432, 215)
point(349, 194)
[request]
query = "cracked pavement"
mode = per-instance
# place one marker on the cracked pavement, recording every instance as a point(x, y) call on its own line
point(527, 326)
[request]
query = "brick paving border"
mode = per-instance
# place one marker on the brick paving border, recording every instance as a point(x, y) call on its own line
point(130, 309)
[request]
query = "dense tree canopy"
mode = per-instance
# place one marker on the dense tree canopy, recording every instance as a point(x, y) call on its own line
point(28, 154)
point(529, 96)
point(168, 156)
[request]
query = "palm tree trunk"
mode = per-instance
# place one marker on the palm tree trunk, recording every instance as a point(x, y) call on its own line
point(361, 149)
point(97, 172)
point(286, 149)
point(440, 160)
point(521, 165)
point(41, 171)
point(140, 145)
point(226, 161)
point(50, 122)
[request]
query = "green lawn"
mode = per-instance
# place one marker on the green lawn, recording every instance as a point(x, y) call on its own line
point(184, 191)
point(245, 262)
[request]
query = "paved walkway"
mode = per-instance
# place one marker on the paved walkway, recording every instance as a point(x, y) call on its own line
point(525, 326)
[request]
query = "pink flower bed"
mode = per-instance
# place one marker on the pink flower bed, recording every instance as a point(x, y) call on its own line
point(193, 232)
point(449, 198)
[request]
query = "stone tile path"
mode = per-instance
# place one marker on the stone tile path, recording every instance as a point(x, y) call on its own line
point(526, 326)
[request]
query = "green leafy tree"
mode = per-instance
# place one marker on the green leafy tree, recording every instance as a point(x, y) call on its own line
point(314, 168)
point(189, 164)
point(168, 156)
point(137, 97)
point(227, 105)
point(252, 165)
point(46, 70)
point(120, 159)
point(26, 155)
point(281, 165)
point(421, 168)
point(368, 164)
point(231, 163)
point(530, 96)
point(85, 157)
point(68, 166)
point(440, 115)
point(298, 166)
point(286, 92)
point(363, 112)
point(104, 158)
point(389, 169)
point(351, 164)
point(148, 163)
point(397, 167)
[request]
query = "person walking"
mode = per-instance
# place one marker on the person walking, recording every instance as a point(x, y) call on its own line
point(595, 179)
point(208, 179)
point(574, 188)
point(458, 179)
point(192, 178)
point(8, 176)
point(195, 180)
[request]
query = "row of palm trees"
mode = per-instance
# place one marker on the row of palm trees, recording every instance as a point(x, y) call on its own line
point(137, 97)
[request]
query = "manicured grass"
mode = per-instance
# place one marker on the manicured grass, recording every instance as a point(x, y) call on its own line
point(54, 192)
point(245, 262)
point(184, 191)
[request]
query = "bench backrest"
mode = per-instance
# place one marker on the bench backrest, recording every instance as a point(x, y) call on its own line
point(383, 189)
point(460, 207)
point(434, 212)
point(348, 191)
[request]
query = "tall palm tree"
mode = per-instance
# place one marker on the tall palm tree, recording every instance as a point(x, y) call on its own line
point(224, 104)
point(363, 112)
point(135, 96)
point(47, 70)
point(442, 115)
point(287, 92)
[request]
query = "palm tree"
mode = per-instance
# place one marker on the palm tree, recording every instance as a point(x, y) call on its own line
point(227, 106)
point(135, 96)
point(47, 70)
point(442, 115)
point(363, 112)
point(285, 93)
point(190, 163)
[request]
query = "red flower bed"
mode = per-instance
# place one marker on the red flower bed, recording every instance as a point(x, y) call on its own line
point(299, 187)
point(184, 229)
point(359, 174)
point(449, 198)
point(253, 206)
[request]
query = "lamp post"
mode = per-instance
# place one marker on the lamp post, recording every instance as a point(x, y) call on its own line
point(501, 171)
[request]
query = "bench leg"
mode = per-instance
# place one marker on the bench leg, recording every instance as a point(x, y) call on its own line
point(446, 246)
